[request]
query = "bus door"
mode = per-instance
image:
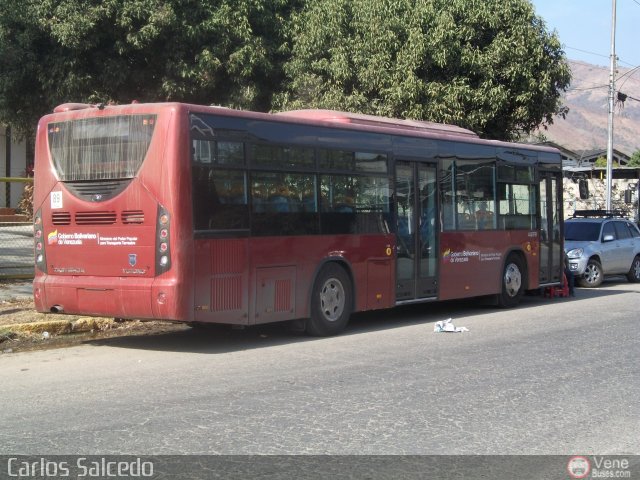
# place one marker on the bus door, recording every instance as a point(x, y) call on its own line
point(551, 255)
point(416, 214)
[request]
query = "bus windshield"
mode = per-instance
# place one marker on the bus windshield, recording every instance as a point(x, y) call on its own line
point(103, 148)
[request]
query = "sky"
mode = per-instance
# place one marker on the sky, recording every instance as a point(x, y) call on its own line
point(584, 28)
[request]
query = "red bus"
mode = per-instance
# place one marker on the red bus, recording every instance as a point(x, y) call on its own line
point(211, 215)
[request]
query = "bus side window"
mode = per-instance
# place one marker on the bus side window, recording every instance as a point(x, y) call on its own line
point(232, 211)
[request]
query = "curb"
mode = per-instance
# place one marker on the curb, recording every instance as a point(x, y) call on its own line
point(59, 327)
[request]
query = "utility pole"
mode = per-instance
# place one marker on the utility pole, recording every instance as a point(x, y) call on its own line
point(612, 94)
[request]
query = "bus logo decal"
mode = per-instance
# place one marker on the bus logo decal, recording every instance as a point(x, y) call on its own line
point(52, 238)
point(133, 258)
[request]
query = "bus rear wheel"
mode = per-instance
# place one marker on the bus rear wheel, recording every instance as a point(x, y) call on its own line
point(331, 302)
point(512, 282)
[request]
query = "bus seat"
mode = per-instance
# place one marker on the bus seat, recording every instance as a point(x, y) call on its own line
point(344, 208)
point(309, 204)
point(258, 204)
point(484, 219)
point(465, 222)
point(278, 203)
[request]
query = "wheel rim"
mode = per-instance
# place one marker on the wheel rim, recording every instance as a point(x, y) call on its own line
point(332, 299)
point(636, 269)
point(512, 280)
point(592, 274)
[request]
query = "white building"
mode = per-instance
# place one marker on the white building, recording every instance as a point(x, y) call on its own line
point(13, 164)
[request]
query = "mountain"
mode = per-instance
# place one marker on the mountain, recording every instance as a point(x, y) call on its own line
point(585, 126)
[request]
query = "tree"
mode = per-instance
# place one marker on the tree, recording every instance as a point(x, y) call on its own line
point(487, 65)
point(227, 52)
point(602, 162)
point(634, 161)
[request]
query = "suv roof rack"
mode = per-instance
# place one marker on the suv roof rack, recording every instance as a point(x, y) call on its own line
point(599, 213)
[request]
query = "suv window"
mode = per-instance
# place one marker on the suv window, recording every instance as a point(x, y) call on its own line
point(608, 229)
point(634, 231)
point(622, 230)
point(581, 231)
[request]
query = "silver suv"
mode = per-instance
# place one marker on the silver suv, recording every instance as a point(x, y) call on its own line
point(599, 244)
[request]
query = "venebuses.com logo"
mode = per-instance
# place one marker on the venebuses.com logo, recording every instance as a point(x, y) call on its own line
point(598, 467)
point(578, 467)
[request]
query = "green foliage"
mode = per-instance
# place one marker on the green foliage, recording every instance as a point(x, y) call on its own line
point(227, 52)
point(634, 161)
point(487, 65)
point(602, 162)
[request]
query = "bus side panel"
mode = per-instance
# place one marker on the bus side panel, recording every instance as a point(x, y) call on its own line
point(471, 263)
point(221, 281)
point(284, 270)
point(269, 279)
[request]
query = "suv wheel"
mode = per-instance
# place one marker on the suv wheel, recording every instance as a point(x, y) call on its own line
point(634, 272)
point(592, 276)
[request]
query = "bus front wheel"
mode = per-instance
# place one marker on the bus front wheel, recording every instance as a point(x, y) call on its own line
point(512, 282)
point(331, 302)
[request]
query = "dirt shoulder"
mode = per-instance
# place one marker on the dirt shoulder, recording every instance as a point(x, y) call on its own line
point(23, 328)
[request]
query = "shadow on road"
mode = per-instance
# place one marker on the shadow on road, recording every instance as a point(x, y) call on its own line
point(217, 339)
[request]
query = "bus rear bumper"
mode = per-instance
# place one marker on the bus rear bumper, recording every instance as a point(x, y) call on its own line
point(122, 297)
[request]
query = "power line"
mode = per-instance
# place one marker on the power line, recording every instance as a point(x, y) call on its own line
point(586, 51)
point(586, 88)
point(600, 54)
point(628, 74)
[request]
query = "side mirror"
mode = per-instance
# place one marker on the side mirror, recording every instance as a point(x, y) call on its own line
point(608, 238)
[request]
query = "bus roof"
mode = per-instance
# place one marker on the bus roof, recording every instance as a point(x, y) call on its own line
point(330, 118)
point(372, 120)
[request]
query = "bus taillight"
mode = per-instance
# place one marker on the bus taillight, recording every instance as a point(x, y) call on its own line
point(40, 257)
point(163, 250)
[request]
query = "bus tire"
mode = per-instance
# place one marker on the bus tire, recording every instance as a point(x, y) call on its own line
point(331, 302)
point(513, 278)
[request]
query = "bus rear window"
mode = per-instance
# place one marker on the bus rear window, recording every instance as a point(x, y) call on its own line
point(102, 148)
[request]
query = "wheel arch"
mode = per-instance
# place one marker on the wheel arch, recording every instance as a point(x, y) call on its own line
point(595, 256)
point(523, 259)
point(344, 264)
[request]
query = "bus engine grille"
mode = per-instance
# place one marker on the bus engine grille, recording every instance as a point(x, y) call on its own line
point(127, 217)
point(95, 218)
point(61, 218)
point(132, 217)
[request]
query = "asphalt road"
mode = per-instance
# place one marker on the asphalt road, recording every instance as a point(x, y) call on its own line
point(550, 377)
